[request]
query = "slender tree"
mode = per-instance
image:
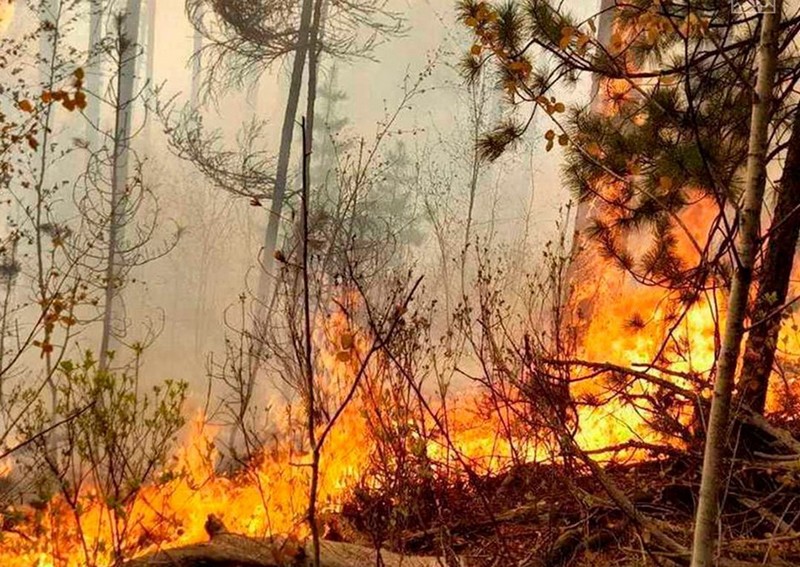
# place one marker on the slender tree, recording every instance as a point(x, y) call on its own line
point(94, 69)
point(252, 35)
point(284, 153)
point(197, 63)
point(704, 546)
point(583, 209)
point(773, 281)
point(128, 50)
point(151, 41)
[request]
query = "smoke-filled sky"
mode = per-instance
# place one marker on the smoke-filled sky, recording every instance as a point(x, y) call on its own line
point(194, 312)
point(375, 84)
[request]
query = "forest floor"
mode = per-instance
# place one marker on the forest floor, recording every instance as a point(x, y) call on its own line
point(555, 515)
point(548, 515)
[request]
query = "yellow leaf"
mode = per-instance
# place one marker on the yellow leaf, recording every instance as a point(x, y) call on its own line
point(559, 107)
point(471, 22)
point(476, 50)
point(566, 37)
point(583, 42)
point(563, 139)
point(549, 135)
point(25, 106)
point(594, 149)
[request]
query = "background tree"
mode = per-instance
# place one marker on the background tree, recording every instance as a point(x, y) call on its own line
point(94, 69)
point(250, 37)
point(128, 52)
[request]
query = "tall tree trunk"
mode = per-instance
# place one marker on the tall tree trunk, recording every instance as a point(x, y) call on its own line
point(477, 93)
point(579, 262)
point(315, 38)
point(128, 50)
point(773, 281)
point(94, 71)
point(605, 28)
point(150, 59)
point(197, 67)
point(284, 155)
point(703, 550)
point(150, 53)
point(51, 12)
point(311, 11)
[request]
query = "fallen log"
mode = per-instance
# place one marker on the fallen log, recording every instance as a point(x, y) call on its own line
point(232, 550)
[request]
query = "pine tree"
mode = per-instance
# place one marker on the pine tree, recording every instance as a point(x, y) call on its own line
point(673, 136)
point(693, 101)
point(255, 34)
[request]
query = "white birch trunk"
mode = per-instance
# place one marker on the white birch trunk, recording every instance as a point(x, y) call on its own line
point(605, 28)
point(704, 545)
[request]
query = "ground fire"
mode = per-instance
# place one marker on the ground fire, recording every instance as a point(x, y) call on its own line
point(405, 372)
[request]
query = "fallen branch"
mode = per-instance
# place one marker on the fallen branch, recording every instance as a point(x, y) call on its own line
point(781, 435)
point(229, 550)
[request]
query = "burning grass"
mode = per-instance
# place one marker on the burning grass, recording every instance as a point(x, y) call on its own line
point(497, 473)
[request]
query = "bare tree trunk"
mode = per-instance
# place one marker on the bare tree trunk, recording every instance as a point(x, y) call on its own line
point(308, 359)
point(773, 281)
point(10, 258)
point(311, 10)
point(315, 37)
point(128, 50)
point(150, 60)
point(51, 12)
point(477, 95)
point(151, 41)
point(605, 29)
point(197, 68)
point(94, 71)
point(704, 546)
point(284, 155)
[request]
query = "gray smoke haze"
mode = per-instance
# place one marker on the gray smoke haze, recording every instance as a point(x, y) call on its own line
point(189, 298)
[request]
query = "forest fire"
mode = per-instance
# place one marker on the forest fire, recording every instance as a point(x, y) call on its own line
point(411, 368)
point(269, 496)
